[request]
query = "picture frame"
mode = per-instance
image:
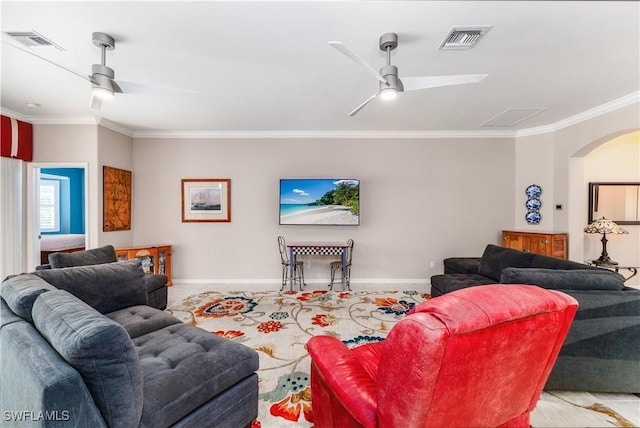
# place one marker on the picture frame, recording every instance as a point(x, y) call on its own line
point(206, 200)
point(116, 199)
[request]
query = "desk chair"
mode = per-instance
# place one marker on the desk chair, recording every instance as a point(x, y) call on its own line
point(298, 272)
point(337, 266)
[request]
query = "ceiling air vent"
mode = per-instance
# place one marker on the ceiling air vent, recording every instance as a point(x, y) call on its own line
point(464, 37)
point(512, 117)
point(32, 39)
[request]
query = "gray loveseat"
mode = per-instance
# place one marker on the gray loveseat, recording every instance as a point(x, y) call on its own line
point(156, 283)
point(602, 350)
point(81, 348)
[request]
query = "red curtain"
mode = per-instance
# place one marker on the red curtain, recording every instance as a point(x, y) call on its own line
point(16, 139)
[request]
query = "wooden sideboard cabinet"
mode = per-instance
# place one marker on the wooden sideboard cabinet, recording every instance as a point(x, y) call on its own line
point(155, 258)
point(547, 244)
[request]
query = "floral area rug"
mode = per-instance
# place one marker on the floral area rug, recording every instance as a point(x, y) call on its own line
point(279, 324)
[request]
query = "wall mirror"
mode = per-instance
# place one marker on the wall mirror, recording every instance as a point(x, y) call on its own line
point(619, 202)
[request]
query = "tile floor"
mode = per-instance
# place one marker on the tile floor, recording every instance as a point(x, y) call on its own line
point(556, 409)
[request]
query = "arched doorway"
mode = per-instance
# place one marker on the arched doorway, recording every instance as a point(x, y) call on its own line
point(613, 158)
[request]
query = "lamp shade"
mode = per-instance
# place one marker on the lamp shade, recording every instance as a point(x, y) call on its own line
point(605, 226)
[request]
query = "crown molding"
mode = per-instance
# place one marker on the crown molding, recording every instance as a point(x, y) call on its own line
point(323, 134)
point(51, 120)
point(69, 120)
point(106, 123)
point(600, 110)
point(13, 114)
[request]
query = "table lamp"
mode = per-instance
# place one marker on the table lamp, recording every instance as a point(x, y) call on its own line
point(604, 226)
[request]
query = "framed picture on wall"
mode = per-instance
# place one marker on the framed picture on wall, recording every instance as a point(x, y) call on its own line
point(116, 199)
point(206, 200)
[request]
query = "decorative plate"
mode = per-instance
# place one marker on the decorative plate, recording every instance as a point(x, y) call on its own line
point(533, 191)
point(533, 204)
point(533, 217)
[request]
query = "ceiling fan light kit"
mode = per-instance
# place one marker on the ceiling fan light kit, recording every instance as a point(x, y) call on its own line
point(102, 93)
point(389, 83)
point(103, 84)
point(102, 77)
point(388, 94)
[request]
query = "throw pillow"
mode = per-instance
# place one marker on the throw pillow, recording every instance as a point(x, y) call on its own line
point(495, 259)
point(95, 256)
point(99, 349)
point(106, 287)
point(562, 279)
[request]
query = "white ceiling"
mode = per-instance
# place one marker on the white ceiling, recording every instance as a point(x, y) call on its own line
point(260, 67)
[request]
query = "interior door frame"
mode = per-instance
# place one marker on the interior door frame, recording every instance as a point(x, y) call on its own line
point(33, 206)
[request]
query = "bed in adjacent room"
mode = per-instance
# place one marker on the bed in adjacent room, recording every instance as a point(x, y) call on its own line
point(61, 243)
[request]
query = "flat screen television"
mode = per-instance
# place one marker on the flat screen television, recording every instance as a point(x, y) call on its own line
point(320, 201)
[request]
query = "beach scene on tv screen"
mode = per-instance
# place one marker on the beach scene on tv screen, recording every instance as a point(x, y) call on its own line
point(320, 201)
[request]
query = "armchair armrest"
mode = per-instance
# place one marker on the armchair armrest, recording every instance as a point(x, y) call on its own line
point(345, 376)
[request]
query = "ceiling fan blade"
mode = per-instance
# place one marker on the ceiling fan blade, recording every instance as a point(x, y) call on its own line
point(145, 88)
point(30, 52)
point(342, 48)
point(426, 82)
point(361, 106)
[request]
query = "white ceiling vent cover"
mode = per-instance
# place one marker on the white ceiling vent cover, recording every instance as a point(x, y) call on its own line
point(32, 39)
point(464, 37)
point(512, 117)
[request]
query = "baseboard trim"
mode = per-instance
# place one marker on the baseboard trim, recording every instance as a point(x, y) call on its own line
point(276, 282)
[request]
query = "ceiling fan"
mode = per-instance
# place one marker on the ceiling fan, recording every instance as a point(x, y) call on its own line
point(103, 85)
point(389, 82)
point(102, 77)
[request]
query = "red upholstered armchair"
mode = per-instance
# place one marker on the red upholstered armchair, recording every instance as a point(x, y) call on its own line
point(476, 357)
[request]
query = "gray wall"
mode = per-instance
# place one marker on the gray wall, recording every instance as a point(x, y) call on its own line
point(421, 200)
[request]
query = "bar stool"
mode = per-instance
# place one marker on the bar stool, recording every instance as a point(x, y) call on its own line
point(337, 265)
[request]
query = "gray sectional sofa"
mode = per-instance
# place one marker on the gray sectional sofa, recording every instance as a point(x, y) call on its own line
point(156, 283)
point(81, 348)
point(602, 350)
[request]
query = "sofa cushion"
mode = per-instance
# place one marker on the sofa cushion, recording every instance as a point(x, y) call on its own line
point(461, 265)
point(140, 320)
point(546, 262)
point(184, 367)
point(21, 291)
point(562, 279)
point(7, 316)
point(495, 258)
point(443, 284)
point(608, 304)
point(35, 378)
point(105, 287)
point(94, 256)
point(156, 290)
point(100, 349)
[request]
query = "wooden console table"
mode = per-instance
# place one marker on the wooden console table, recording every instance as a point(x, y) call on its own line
point(155, 258)
point(547, 244)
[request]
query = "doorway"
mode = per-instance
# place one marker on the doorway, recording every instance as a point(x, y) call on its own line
point(57, 209)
